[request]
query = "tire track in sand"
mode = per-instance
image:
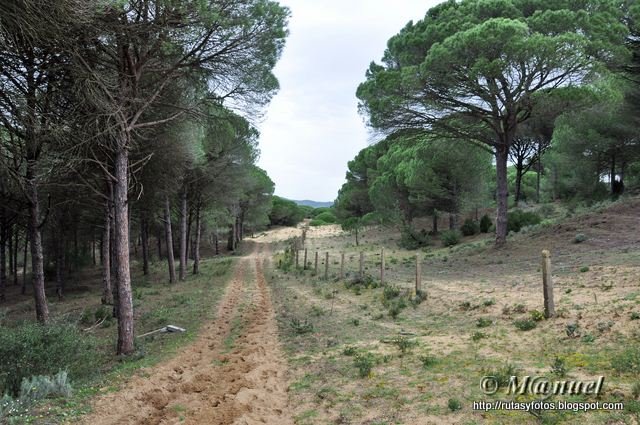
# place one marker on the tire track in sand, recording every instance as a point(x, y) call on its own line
point(204, 384)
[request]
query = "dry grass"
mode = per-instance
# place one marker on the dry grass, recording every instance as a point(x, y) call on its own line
point(596, 286)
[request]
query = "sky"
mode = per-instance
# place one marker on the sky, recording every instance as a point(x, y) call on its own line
point(312, 127)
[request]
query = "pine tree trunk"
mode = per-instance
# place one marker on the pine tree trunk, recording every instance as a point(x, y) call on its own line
point(434, 225)
point(538, 171)
point(518, 182)
point(23, 290)
point(169, 240)
point(502, 194)
point(196, 245)
point(121, 232)
point(189, 253)
point(15, 257)
point(159, 243)
point(3, 259)
point(105, 255)
point(183, 234)
point(60, 263)
point(144, 236)
point(37, 257)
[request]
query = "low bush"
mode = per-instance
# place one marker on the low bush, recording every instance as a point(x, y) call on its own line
point(364, 363)
point(485, 224)
point(316, 222)
point(411, 239)
point(525, 324)
point(627, 360)
point(326, 216)
point(450, 237)
point(470, 228)
point(31, 350)
point(518, 219)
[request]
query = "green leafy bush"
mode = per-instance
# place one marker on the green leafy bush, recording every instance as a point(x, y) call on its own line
point(31, 350)
point(579, 238)
point(518, 219)
point(470, 227)
point(364, 362)
point(525, 324)
point(450, 237)
point(427, 360)
point(627, 360)
point(33, 390)
point(326, 216)
point(483, 322)
point(315, 222)
point(411, 239)
point(558, 367)
point(536, 315)
point(485, 224)
point(301, 326)
point(454, 404)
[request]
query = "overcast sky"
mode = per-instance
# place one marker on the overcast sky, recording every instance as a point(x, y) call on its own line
point(312, 127)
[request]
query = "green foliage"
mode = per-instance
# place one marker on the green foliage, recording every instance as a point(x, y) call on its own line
point(327, 217)
point(519, 219)
point(485, 224)
point(349, 351)
point(364, 362)
point(559, 367)
point(450, 237)
point(503, 374)
point(627, 361)
point(404, 344)
point(427, 360)
point(579, 238)
point(30, 350)
point(470, 227)
point(484, 322)
point(33, 390)
point(300, 327)
point(584, 269)
point(411, 239)
point(454, 404)
point(477, 336)
point(315, 223)
point(285, 212)
point(525, 324)
point(536, 315)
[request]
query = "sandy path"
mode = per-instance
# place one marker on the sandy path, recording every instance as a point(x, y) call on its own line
point(208, 383)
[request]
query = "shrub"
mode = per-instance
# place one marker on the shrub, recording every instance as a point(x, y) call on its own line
point(454, 404)
point(301, 327)
point(525, 324)
point(396, 306)
point(32, 390)
point(470, 228)
point(518, 219)
point(483, 322)
point(572, 330)
point(503, 374)
point(450, 237)
point(364, 362)
point(547, 210)
point(584, 269)
point(411, 239)
point(31, 350)
point(579, 238)
point(419, 298)
point(558, 367)
point(477, 336)
point(635, 315)
point(536, 315)
point(404, 344)
point(485, 224)
point(390, 292)
point(635, 390)
point(349, 351)
point(427, 360)
point(489, 302)
point(326, 216)
point(627, 360)
point(315, 222)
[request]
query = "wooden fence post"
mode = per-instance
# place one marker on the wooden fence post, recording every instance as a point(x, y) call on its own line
point(361, 275)
point(304, 266)
point(382, 266)
point(326, 266)
point(418, 275)
point(342, 265)
point(297, 252)
point(547, 285)
point(315, 271)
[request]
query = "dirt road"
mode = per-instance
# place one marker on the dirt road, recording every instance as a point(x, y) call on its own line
point(233, 374)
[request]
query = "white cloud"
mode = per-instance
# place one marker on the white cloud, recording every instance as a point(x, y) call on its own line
point(312, 127)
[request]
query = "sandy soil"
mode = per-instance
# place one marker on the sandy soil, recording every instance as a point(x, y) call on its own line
point(241, 382)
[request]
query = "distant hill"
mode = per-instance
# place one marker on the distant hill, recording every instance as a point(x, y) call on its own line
point(314, 204)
